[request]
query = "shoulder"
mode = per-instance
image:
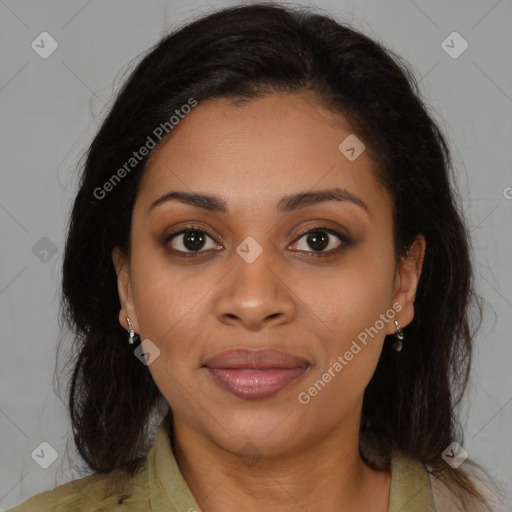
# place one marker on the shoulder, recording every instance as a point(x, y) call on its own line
point(446, 499)
point(106, 492)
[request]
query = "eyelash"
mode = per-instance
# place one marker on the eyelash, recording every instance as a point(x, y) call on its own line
point(315, 254)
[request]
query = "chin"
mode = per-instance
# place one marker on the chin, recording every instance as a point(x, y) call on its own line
point(258, 433)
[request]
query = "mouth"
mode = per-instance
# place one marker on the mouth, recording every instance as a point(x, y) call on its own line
point(255, 374)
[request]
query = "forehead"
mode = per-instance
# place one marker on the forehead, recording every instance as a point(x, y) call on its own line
point(258, 152)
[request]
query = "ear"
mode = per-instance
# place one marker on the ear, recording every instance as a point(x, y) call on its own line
point(406, 282)
point(124, 288)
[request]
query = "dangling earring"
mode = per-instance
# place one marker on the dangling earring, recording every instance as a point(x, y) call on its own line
point(132, 336)
point(397, 345)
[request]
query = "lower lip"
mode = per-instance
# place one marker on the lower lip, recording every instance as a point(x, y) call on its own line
point(252, 384)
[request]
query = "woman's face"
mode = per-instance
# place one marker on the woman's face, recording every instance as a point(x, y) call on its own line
point(262, 267)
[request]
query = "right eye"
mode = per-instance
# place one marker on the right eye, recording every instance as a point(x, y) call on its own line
point(190, 240)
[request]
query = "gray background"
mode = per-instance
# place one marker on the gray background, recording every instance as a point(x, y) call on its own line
point(50, 109)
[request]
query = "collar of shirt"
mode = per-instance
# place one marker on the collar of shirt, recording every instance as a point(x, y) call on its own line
point(167, 487)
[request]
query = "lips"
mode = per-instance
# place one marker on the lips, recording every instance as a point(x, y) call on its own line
point(255, 374)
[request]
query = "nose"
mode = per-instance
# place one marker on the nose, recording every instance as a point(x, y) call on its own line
point(254, 295)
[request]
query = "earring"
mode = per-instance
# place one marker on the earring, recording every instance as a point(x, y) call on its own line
point(397, 345)
point(131, 332)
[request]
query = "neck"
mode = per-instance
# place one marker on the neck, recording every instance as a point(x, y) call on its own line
point(324, 474)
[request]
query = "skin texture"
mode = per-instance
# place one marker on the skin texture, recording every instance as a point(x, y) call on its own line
point(275, 452)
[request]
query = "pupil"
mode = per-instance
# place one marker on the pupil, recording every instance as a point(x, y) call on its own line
point(318, 240)
point(193, 240)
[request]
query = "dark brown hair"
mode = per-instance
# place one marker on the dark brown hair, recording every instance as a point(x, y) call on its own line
point(242, 53)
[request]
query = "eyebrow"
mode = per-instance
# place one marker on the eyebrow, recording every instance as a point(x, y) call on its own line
point(286, 204)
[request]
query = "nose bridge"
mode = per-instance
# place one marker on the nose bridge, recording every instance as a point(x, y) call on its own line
point(254, 290)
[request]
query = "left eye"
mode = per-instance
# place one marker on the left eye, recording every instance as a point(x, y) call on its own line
point(321, 239)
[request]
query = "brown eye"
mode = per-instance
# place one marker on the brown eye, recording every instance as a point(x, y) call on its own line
point(190, 240)
point(320, 239)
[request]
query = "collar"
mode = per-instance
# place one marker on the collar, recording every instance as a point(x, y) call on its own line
point(410, 486)
point(167, 488)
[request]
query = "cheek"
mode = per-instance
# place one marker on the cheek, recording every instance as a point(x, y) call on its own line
point(163, 296)
point(351, 348)
point(353, 300)
point(170, 313)
point(353, 296)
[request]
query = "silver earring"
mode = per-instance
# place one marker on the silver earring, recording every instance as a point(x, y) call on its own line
point(132, 336)
point(397, 345)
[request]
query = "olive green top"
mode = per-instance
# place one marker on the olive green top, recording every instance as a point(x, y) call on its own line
point(160, 486)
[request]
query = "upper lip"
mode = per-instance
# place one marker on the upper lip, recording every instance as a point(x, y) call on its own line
point(257, 359)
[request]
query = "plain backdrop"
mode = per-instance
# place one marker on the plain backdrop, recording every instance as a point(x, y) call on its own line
point(51, 107)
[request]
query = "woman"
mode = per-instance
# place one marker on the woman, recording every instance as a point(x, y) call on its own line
point(267, 212)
